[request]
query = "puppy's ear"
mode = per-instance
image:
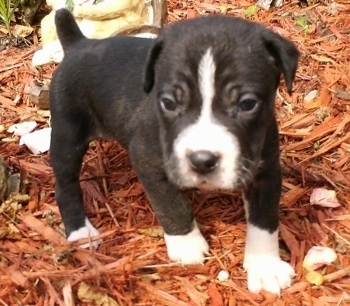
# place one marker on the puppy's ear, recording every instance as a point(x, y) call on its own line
point(153, 55)
point(285, 54)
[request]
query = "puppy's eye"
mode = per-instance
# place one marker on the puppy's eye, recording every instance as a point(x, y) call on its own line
point(248, 104)
point(168, 104)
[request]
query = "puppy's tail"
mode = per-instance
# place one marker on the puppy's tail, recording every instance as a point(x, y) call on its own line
point(67, 29)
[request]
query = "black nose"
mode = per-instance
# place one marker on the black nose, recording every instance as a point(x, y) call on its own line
point(203, 161)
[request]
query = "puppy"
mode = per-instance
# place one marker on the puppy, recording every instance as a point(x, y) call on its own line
point(195, 108)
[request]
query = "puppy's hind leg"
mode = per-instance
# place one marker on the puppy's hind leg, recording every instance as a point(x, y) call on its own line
point(68, 147)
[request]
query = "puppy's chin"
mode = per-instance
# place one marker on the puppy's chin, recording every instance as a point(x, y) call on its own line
point(188, 179)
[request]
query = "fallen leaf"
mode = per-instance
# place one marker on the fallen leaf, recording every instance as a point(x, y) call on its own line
point(324, 198)
point(37, 141)
point(304, 24)
point(22, 128)
point(322, 58)
point(22, 31)
point(317, 257)
point(314, 278)
point(310, 96)
point(343, 95)
point(251, 11)
point(151, 277)
point(88, 294)
point(154, 232)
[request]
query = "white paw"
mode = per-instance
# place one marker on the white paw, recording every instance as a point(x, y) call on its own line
point(85, 232)
point(187, 249)
point(268, 273)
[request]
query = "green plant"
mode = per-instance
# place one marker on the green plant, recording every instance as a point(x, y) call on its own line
point(7, 9)
point(303, 23)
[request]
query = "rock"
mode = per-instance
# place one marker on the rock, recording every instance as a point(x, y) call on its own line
point(39, 94)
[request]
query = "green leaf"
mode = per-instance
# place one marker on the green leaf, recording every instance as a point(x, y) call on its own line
point(303, 23)
point(6, 11)
point(251, 11)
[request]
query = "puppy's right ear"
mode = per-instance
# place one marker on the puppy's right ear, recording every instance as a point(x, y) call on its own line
point(153, 55)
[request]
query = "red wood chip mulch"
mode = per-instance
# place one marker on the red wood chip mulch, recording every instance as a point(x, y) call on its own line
point(38, 266)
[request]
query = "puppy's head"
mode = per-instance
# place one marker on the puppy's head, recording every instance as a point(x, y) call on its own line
point(214, 80)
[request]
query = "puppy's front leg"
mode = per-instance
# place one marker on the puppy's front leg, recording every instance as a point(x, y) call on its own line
point(183, 238)
point(265, 269)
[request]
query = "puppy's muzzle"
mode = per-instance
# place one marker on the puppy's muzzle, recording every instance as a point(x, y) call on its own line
point(203, 161)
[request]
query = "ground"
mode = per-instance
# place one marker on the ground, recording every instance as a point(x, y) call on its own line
point(131, 267)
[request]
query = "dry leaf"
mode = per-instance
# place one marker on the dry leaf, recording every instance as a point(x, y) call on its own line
point(314, 278)
point(310, 96)
point(37, 141)
point(324, 198)
point(22, 31)
point(88, 294)
point(13, 232)
point(154, 232)
point(22, 128)
point(318, 256)
point(322, 58)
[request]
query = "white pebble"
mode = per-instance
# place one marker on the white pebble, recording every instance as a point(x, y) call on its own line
point(223, 276)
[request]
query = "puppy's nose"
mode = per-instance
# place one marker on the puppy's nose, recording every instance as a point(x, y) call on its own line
point(203, 161)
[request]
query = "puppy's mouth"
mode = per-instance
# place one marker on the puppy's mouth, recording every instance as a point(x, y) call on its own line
point(239, 176)
point(201, 184)
point(213, 181)
point(204, 184)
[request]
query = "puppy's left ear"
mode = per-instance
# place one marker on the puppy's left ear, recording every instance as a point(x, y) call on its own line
point(285, 54)
point(152, 58)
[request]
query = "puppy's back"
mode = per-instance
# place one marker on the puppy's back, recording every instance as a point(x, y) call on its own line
point(67, 29)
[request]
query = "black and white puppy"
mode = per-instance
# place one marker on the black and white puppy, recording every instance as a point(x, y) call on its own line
point(195, 108)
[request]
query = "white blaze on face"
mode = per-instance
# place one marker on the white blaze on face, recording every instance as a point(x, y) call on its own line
point(209, 135)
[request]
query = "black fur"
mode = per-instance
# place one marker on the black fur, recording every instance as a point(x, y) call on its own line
point(67, 29)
